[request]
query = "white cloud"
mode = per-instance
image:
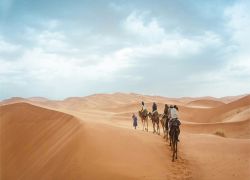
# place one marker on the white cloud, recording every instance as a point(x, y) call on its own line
point(239, 26)
point(7, 47)
point(52, 41)
point(154, 40)
point(136, 24)
point(52, 58)
point(74, 58)
point(239, 23)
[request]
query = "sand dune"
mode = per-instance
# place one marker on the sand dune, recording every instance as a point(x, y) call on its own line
point(239, 114)
point(33, 141)
point(92, 138)
point(238, 129)
point(212, 115)
point(212, 157)
point(44, 144)
point(205, 103)
point(13, 100)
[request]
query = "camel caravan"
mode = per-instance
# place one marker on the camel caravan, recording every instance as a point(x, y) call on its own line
point(169, 121)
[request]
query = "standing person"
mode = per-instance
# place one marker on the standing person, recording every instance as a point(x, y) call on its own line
point(134, 120)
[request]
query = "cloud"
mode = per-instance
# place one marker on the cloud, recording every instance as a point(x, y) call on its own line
point(168, 48)
point(238, 24)
point(153, 40)
point(7, 47)
point(51, 58)
point(136, 24)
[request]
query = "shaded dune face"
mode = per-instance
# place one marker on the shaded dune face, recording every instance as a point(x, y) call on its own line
point(35, 141)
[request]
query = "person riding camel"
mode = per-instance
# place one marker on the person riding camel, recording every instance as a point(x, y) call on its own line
point(165, 113)
point(143, 109)
point(165, 116)
point(169, 111)
point(174, 119)
point(154, 108)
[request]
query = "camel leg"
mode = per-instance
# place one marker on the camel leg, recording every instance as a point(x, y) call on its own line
point(153, 128)
point(167, 133)
point(164, 133)
point(173, 152)
point(147, 124)
point(143, 125)
point(176, 150)
point(162, 125)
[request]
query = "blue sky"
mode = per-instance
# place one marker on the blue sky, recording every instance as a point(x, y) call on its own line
point(62, 48)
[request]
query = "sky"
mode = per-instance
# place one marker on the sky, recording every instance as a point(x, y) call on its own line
point(60, 48)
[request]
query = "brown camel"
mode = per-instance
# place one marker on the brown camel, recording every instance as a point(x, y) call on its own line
point(164, 123)
point(155, 120)
point(144, 119)
point(174, 141)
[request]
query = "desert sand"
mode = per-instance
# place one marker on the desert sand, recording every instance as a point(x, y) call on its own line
point(92, 138)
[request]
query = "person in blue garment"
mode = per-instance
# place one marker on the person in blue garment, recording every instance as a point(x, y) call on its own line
point(134, 117)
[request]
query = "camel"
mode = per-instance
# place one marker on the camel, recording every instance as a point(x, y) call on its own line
point(144, 119)
point(155, 120)
point(174, 141)
point(164, 124)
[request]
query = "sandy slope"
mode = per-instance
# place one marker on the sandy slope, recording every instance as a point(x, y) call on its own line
point(238, 129)
point(205, 103)
point(212, 157)
point(34, 141)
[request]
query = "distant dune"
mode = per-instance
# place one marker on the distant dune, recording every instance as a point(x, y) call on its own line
point(212, 115)
point(205, 103)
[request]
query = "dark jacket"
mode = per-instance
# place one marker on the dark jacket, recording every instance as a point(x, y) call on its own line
point(166, 110)
point(154, 107)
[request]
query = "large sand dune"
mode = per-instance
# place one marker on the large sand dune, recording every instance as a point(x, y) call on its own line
point(92, 138)
point(35, 142)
